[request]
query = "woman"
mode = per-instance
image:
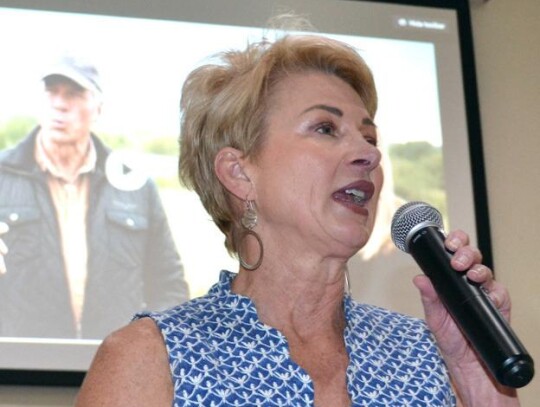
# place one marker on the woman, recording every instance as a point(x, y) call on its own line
point(280, 144)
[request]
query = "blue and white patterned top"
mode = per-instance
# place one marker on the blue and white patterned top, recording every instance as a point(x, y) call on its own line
point(220, 354)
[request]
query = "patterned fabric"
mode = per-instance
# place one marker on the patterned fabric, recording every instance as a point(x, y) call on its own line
point(220, 354)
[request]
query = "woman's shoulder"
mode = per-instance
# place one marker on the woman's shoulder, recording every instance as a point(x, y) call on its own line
point(130, 368)
point(138, 335)
point(185, 313)
point(217, 303)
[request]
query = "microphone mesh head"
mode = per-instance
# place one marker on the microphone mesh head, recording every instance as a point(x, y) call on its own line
point(409, 217)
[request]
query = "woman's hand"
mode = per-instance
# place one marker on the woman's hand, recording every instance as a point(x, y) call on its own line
point(3, 248)
point(473, 383)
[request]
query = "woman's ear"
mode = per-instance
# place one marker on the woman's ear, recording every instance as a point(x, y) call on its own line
point(229, 167)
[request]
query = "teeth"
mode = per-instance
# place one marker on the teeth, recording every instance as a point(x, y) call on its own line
point(357, 194)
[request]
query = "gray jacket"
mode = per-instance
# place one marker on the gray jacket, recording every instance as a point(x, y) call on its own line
point(133, 263)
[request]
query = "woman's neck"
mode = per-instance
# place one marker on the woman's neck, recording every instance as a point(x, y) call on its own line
point(305, 300)
point(306, 306)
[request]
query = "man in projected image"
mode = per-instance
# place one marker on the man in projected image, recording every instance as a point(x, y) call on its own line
point(88, 241)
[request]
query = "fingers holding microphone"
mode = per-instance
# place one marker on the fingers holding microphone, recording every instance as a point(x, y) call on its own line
point(456, 286)
point(468, 259)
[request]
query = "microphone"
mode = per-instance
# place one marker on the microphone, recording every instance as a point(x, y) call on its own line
point(417, 229)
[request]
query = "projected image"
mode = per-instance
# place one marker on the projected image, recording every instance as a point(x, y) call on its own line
point(99, 233)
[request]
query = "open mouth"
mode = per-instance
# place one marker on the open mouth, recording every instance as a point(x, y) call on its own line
point(358, 196)
point(358, 193)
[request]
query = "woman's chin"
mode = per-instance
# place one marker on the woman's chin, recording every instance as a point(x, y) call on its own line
point(353, 242)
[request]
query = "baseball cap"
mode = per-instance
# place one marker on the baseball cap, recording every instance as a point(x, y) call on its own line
point(77, 69)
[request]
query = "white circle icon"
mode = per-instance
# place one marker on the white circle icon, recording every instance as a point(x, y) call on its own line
point(123, 170)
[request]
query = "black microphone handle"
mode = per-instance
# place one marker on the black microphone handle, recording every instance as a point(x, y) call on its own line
point(474, 312)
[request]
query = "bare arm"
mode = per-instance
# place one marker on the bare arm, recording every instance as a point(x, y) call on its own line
point(130, 368)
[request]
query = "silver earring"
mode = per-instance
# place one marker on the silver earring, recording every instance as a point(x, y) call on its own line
point(249, 218)
point(249, 221)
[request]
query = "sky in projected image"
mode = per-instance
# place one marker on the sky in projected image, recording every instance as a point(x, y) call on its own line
point(144, 62)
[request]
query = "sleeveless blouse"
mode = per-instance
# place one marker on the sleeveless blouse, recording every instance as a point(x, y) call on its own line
point(221, 354)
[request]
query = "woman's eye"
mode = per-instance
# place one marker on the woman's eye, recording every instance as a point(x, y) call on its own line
point(327, 129)
point(371, 140)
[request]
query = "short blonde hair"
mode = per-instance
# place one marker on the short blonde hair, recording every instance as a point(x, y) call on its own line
point(225, 104)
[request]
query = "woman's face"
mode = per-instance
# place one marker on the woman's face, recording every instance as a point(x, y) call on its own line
point(317, 177)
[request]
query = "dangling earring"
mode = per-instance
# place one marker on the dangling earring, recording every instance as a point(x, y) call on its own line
point(249, 218)
point(249, 221)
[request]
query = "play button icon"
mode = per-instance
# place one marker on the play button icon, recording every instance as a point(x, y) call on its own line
point(123, 170)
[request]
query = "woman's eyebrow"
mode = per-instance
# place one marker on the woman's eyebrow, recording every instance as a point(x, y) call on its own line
point(331, 109)
point(366, 121)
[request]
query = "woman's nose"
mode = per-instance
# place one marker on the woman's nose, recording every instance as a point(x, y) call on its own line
point(368, 156)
